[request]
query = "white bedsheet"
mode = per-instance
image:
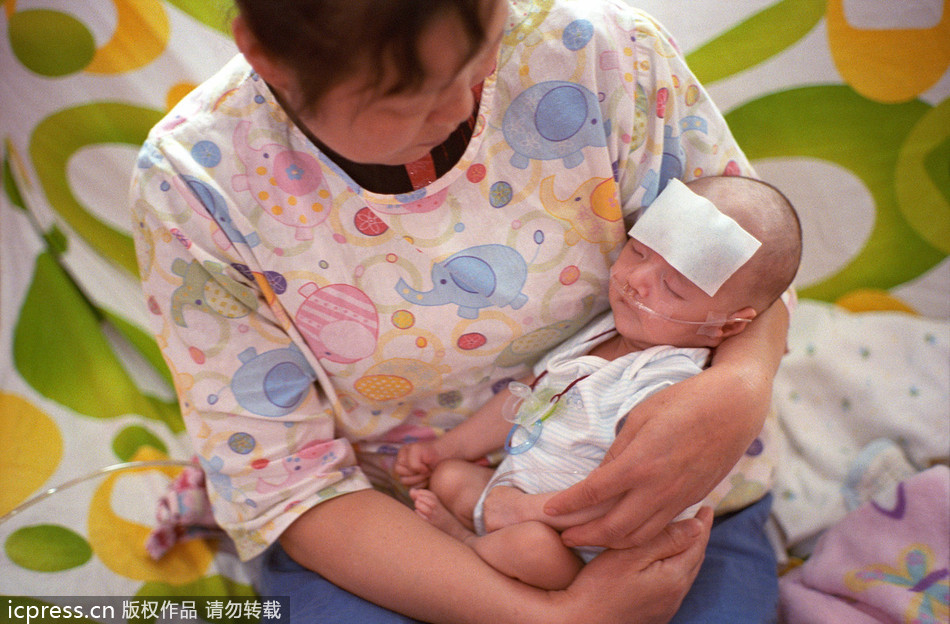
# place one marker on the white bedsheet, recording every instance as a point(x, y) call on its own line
point(863, 400)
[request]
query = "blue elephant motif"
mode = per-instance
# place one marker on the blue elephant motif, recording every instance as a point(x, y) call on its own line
point(217, 208)
point(551, 120)
point(474, 278)
point(273, 383)
point(672, 163)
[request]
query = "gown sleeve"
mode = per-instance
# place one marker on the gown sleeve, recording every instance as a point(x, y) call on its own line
point(665, 125)
point(259, 420)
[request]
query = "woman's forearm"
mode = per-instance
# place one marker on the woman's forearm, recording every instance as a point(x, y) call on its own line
point(736, 391)
point(733, 396)
point(754, 355)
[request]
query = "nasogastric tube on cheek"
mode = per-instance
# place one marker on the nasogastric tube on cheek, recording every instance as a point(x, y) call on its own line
point(713, 320)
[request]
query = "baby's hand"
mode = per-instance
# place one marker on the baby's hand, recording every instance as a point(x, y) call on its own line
point(415, 462)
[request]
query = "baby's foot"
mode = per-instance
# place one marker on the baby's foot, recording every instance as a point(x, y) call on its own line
point(429, 506)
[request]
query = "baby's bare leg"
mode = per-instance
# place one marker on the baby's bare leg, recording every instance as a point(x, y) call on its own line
point(506, 506)
point(429, 506)
point(531, 552)
point(458, 484)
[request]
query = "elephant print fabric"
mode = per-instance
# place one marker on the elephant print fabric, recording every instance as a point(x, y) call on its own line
point(307, 318)
point(474, 278)
point(287, 183)
point(554, 119)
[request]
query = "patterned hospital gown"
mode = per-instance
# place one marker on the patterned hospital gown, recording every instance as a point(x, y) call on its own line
point(312, 326)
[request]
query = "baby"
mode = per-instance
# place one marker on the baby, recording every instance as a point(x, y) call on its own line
point(703, 260)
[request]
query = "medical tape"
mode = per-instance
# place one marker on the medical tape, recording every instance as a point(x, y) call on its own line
point(694, 237)
point(714, 320)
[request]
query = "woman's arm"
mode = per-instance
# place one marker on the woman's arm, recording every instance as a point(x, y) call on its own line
point(679, 443)
point(422, 572)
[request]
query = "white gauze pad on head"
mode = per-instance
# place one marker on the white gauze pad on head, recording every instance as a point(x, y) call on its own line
point(697, 240)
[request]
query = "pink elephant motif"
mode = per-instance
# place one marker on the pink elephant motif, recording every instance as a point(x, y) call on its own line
point(338, 321)
point(306, 462)
point(288, 184)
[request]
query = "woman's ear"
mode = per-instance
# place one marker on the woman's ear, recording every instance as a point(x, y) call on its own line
point(272, 71)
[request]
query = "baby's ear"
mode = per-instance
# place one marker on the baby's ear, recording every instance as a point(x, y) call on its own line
point(737, 322)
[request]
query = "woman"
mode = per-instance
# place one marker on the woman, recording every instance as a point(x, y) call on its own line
point(378, 213)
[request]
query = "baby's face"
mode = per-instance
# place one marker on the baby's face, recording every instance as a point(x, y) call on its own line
point(641, 278)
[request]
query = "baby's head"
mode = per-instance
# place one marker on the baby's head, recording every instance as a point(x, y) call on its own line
point(711, 256)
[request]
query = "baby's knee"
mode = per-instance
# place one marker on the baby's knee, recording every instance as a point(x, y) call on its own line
point(449, 476)
point(459, 484)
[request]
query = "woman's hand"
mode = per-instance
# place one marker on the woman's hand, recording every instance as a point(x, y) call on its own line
point(645, 584)
point(654, 476)
point(679, 443)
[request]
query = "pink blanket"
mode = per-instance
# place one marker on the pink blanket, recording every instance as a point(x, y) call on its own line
point(887, 561)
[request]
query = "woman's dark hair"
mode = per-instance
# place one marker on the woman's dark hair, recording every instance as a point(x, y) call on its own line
point(325, 41)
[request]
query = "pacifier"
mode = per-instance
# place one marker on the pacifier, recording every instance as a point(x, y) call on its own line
point(522, 407)
point(526, 410)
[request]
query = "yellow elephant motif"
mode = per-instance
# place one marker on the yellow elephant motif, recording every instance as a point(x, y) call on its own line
point(592, 210)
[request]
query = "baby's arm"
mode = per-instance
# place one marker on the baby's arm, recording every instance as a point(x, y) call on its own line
point(484, 432)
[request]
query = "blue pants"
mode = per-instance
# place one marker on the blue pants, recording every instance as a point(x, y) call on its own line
point(737, 583)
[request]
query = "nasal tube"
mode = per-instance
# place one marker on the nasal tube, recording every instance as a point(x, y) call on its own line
point(713, 320)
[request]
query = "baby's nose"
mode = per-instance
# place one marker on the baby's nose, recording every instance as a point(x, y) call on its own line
point(643, 276)
point(633, 284)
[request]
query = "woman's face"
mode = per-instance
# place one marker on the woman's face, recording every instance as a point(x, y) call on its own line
point(366, 127)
